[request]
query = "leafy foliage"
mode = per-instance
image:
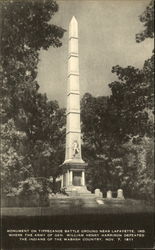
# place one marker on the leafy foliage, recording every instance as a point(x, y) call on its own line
point(118, 131)
point(15, 166)
point(148, 19)
point(133, 98)
point(25, 30)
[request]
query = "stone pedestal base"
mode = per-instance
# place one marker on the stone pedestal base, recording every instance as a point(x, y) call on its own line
point(73, 179)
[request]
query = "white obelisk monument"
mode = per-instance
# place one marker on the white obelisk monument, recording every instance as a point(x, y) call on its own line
point(73, 178)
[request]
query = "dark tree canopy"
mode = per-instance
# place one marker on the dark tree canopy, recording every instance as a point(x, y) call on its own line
point(35, 125)
point(147, 18)
point(118, 133)
point(27, 23)
point(25, 30)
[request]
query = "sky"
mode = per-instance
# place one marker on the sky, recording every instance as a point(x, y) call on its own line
point(107, 30)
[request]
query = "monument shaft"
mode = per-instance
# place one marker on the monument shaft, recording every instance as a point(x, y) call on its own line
point(73, 131)
point(73, 178)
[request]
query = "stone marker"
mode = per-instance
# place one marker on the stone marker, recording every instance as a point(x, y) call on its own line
point(73, 175)
point(98, 193)
point(109, 194)
point(120, 194)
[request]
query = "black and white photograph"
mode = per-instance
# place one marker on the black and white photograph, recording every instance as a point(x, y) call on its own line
point(77, 124)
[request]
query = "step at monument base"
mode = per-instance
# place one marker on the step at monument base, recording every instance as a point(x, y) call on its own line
point(78, 191)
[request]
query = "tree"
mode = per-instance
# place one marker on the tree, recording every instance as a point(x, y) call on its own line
point(133, 97)
point(14, 165)
point(25, 30)
point(148, 19)
point(118, 135)
point(100, 143)
point(47, 138)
